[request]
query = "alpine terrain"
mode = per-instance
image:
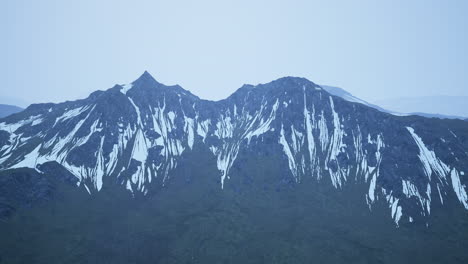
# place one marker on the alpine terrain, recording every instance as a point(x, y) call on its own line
point(282, 172)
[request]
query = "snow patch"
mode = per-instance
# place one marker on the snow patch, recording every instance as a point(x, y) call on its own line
point(29, 160)
point(459, 188)
point(126, 88)
point(429, 159)
point(289, 154)
point(71, 114)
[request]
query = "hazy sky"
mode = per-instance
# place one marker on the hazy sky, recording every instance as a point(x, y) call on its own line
point(62, 50)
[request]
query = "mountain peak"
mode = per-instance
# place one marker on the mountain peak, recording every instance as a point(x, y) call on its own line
point(146, 74)
point(292, 79)
point(291, 82)
point(145, 78)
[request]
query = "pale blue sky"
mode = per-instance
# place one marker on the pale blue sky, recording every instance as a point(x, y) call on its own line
point(59, 50)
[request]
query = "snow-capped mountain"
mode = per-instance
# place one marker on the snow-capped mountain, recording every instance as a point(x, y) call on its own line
point(136, 135)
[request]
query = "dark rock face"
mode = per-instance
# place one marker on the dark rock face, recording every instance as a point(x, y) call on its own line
point(55, 169)
point(22, 188)
point(135, 136)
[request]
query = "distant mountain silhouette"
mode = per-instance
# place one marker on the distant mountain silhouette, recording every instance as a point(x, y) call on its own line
point(454, 106)
point(6, 110)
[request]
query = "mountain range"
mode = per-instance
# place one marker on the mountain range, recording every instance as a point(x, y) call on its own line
point(289, 145)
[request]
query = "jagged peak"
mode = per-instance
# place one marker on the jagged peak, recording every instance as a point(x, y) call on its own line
point(146, 82)
point(146, 75)
point(145, 79)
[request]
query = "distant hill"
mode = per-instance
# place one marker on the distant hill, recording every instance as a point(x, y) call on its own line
point(6, 110)
point(443, 105)
point(443, 109)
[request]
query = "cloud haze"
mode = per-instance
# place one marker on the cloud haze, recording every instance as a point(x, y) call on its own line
point(63, 50)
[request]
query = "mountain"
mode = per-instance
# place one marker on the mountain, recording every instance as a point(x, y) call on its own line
point(14, 101)
point(6, 110)
point(337, 91)
point(452, 106)
point(351, 98)
point(136, 134)
point(268, 168)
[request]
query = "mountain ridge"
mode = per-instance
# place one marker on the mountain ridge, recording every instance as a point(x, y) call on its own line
point(136, 135)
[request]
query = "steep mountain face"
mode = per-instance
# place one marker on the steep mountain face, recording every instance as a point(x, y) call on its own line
point(136, 135)
point(6, 110)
